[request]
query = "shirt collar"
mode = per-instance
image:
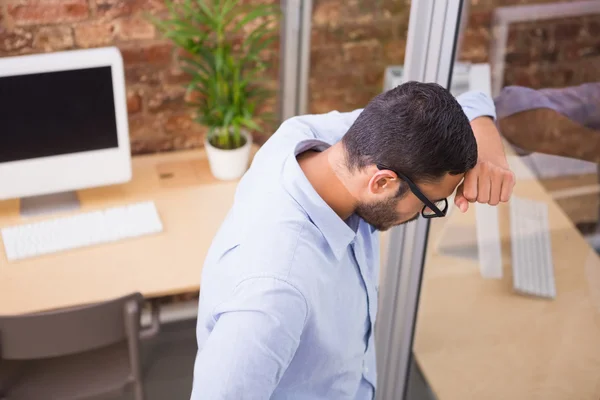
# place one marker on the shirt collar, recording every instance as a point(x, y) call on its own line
point(336, 231)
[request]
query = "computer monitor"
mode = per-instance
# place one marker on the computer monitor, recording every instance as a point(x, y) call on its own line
point(63, 125)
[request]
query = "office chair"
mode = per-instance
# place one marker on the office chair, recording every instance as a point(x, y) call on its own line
point(74, 353)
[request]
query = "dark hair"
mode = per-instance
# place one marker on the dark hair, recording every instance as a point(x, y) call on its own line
point(417, 129)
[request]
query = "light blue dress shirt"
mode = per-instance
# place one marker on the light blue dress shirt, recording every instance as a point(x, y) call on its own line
point(288, 295)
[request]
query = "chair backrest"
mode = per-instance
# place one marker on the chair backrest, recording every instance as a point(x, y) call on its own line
point(68, 331)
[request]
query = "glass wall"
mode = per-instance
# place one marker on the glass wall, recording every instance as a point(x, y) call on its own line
point(477, 337)
point(352, 44)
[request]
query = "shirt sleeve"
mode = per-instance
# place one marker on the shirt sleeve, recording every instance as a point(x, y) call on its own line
point(477, 104)
point(255, 335)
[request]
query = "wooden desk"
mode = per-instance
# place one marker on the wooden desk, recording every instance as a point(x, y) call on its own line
point(191, 204)
point(476, 339)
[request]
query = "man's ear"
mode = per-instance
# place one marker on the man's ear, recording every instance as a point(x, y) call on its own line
point(383, 181)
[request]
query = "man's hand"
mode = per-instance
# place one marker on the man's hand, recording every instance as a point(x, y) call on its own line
point(491, 181)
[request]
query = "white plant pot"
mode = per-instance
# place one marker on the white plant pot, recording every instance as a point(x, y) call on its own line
point(228, 165)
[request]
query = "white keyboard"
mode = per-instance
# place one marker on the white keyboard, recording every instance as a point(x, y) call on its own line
point(488, 241)
point(533, 270)
point(80, 230)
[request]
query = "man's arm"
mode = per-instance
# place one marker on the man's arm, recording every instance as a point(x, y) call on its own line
point(254, 338)
point(491, 181)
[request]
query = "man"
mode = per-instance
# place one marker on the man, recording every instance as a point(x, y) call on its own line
point(289, 287)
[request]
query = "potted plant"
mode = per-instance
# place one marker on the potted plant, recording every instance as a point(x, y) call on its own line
point(222, 43)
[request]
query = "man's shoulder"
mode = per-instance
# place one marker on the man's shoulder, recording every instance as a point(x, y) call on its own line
point(280, 234)
point(274, 234)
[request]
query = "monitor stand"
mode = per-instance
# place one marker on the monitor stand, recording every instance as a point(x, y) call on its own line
point(48, 204)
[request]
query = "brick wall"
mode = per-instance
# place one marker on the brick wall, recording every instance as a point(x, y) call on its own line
point(352, 43)
point(159, 119)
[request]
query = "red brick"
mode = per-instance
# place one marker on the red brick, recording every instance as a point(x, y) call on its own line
point(141, 126)
point(183, 123)
point(326, 12)
point(394, 7)
point(50, 38)
point(474, 47)
point(163, 144)
point(336, 12)
point(149, 145)
point(548, 75)
point(326, 102)
point(374, 76)
point(178, 123)
point(362, 52)
point(192, 96)
point(272, 67)
point(174, 75)
point(154, 53)
point(380, 30)
point(576, 51)
point(360, 97)
point(537, 30)
point(253, 25)
point(134, 28)
point(93, 34)
point(119, 8)
point(37, 12)
point(547, 52)
point(188, 141)
point(134, 102)
point(556, 76)
point(394, 51)
point(514, 59)
point(480, 19)
point(587, 70)
point(521, 77)
point(269, 106)
point(593, 27)
point(143, 73)
point(166, 99)
point(324, 36)
point(332, 82)
point(18, 39)
point(257, 2)
point(326, 60)
point(569, 29)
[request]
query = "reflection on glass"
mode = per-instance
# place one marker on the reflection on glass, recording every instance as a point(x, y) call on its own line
point(486, 338)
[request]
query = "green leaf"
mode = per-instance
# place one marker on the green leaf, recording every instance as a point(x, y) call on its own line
point(195, 66)
point(205, 9)
point(259, 47)
point(259, 12)
point(267, 116)
point(229, 114)
point(248, 123)
point(227, 7)
point(227, 85)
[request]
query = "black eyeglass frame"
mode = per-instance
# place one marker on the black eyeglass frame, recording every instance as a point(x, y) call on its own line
point(417, 192)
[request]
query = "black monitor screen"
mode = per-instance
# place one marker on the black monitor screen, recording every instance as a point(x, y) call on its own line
point(55, 113)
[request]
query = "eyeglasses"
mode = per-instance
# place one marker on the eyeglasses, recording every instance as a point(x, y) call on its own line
point(430, 209)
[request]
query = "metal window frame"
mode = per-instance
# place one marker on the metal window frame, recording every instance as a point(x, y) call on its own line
point(434, 26)
point(295, 57)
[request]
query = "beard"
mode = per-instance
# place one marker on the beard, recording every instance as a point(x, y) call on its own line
point(383, 215)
